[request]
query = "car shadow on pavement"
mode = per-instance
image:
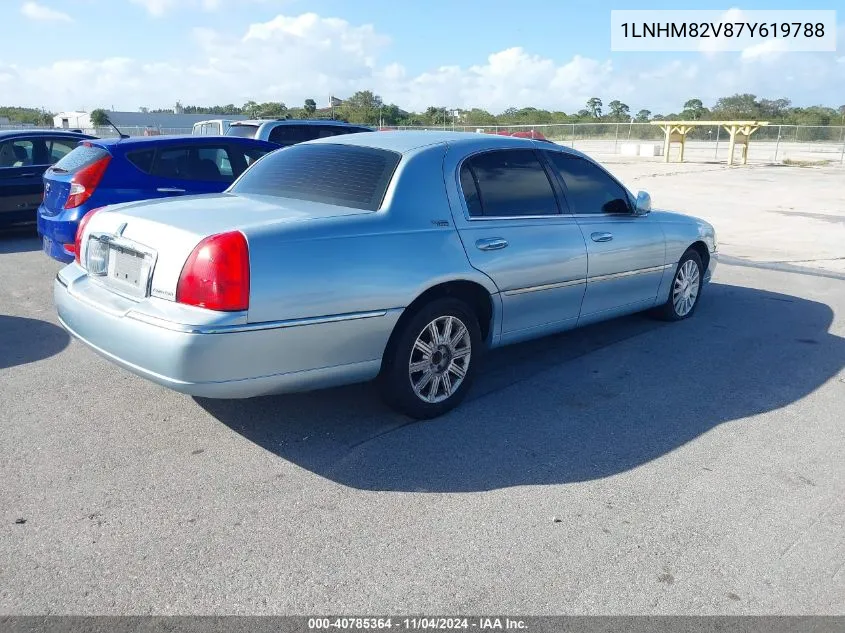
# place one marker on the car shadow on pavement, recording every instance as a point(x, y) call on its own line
point(22, 239)
point(568, 408)
point(24, 340)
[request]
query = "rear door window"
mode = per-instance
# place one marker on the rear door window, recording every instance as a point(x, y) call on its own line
point(219, 157)
point(342, 175)
point(208, 163)
point(143, 160)
point(58, 148)
point(509, 183)
point(470, 188)
point(17, 153)
point(251, 155)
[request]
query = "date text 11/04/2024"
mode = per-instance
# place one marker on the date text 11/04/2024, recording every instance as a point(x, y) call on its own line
point(418, 623)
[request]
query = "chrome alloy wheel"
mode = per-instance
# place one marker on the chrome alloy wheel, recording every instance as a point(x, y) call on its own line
point(440, 359)
point(685, 288)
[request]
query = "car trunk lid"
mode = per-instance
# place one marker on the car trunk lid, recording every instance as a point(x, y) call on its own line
point(142, 246)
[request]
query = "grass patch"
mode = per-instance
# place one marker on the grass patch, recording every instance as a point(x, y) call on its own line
point(792, 162)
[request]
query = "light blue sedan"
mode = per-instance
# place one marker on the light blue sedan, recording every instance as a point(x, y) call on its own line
point(401, 256)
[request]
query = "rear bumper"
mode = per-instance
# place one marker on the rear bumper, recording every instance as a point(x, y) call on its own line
point(230, 361)
point(58, 230)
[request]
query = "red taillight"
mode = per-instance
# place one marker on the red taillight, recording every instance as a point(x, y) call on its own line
point(216, 275)
point(83, 182)
point(76, 248)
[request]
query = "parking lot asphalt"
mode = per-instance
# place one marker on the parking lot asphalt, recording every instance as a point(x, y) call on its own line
point(631, 467)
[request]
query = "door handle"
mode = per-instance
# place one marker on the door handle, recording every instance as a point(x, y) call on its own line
point(491, 244)
point(170, 190)
point(601, 237)
point(28, 175)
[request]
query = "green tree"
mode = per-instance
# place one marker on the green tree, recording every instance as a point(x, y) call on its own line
point(310, 107)
point(643, 116)
point(433, 115)
point(738, 106)
point(272, 110)
point(250, 108)
point(777, 109)
point(99, 118)
point(362, 107)
point(477, 116)
point(618, 110)
point(391, 114)
point(594, 105)
point(21, 115)
point(694, 109)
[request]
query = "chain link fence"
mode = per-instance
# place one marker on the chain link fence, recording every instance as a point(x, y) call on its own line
point(107, 132)
point(770, 144)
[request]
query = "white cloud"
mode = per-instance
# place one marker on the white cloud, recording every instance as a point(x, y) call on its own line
point(158, 8)
point(713, 45)
point(36, 11)
point(770, 49)
point(291, 58)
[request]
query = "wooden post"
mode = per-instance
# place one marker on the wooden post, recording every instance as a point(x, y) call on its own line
point(740, 134)
point(716, 153)
point(683, 131)
point(731, 144)
point(746, 133)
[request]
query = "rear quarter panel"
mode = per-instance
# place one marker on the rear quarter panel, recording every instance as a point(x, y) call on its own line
point(371, 261)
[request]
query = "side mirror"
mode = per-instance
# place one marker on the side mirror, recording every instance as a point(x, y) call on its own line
point(643, 203)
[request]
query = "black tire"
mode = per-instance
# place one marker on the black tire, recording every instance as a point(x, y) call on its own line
point(668, 311)
point(395, 380)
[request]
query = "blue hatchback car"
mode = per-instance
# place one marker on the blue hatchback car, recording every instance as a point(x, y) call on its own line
point(24, 157)
point(100, 172)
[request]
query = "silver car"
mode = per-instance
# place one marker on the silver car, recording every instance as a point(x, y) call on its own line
point(401, 256)
point(285, 132)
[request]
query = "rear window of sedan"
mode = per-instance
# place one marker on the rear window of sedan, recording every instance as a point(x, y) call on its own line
point(342, 175)
point(242, 131)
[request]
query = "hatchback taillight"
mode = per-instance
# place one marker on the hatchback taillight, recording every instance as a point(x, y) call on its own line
point(77, 242)
point(85, 181)
point(216, 275)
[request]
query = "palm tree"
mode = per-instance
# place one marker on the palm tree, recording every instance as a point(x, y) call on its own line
point(594, 105)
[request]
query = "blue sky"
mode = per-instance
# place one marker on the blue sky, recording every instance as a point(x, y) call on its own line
point(547, 53)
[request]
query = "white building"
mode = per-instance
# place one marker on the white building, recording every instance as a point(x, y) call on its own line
point(72, 120)
point(169, 122)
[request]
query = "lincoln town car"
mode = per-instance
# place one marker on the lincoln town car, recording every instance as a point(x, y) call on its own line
point(397, 256)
